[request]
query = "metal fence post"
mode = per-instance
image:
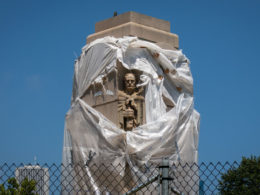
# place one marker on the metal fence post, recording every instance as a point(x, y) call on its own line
point(165, 176)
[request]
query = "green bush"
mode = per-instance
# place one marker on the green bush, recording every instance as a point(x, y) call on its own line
point(244, 180)
point(27, 187)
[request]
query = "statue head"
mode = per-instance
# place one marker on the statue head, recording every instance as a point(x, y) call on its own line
point(130, 82)
point(130, 124)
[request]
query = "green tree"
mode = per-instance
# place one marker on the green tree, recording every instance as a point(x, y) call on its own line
point(27, 187)
point(245, 179)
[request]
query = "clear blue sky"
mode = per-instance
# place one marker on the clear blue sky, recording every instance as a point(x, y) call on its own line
point(39, 40)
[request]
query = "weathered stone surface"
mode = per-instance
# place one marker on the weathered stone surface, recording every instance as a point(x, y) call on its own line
point(133, 17)
point(114, 100)
point(139, 25)
point(104, 97)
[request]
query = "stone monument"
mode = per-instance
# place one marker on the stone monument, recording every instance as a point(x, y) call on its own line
point(132, 104)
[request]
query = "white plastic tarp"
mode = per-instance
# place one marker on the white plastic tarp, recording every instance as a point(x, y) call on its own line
point(89, 137)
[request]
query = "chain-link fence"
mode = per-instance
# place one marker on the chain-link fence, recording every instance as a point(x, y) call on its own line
point(119, 179)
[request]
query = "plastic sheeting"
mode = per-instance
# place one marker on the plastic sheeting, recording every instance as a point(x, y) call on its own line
point(89, 137)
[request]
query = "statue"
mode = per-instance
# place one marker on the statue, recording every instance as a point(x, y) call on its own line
point(130, 104)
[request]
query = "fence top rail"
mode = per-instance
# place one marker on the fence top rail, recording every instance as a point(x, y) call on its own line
point(110, 164)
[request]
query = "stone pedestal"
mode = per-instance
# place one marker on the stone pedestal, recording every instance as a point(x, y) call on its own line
point(139, 25)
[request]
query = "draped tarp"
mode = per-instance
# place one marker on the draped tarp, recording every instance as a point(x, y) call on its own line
point(89, 137)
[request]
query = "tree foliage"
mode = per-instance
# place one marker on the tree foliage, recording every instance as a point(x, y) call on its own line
point(27, 187)
point(245, 179)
